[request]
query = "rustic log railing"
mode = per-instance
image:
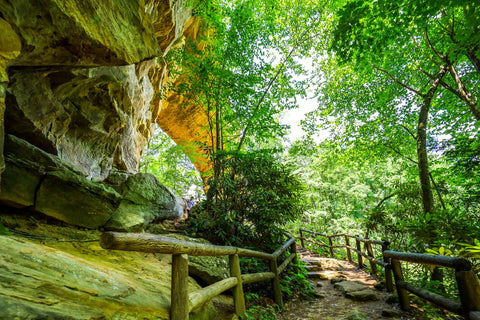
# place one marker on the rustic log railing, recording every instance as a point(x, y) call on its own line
point(183, 302)
point(370, 256)
point(467, 282)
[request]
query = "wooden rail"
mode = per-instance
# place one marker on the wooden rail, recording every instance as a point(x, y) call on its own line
point(370, 256)
point(467, 282)
point(182, 302)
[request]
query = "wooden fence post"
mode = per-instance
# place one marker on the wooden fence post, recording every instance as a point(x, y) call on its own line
point(330, 243)
point(349, 254)
point(469, 289)
point(359, 256)
point(301, 238)
point(277, 291)
point(293, 250)
point(402, 292)
point(238, 298)
point(373, 265)
point(388, 268)
point(180, 305)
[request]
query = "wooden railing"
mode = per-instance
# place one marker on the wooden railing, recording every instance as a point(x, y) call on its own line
point(370, 256)
point(183, 302)
point(467, 282)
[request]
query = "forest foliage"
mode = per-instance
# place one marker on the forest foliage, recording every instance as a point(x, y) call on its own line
point(396, 84)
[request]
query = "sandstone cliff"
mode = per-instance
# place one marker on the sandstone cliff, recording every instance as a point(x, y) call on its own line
point(82, 80)
point(80, 88)
point(81, 76)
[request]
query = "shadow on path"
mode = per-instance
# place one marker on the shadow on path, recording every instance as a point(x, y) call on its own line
point(344, 292)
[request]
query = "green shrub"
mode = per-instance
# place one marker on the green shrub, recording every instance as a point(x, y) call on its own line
point(249, 199)
point(294, 282)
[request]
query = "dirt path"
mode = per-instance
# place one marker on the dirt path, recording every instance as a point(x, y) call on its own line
point(328, 277)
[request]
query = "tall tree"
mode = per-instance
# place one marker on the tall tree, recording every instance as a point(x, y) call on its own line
point(400, 53)
point(240, 72)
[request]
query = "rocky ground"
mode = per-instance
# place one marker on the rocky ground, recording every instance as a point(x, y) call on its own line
point(48, 269)
point(346, 292)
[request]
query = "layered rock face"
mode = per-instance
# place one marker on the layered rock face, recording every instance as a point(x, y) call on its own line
point(10, 47)
point(80, 86)
point(81, 81)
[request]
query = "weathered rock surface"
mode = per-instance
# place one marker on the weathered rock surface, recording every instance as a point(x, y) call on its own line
point(75, 200)
point(324, 264)
point(10, 47)
point(207, 269)
point(144, 200)
point(81, 33)
point(94, 119)
point(355, 315)
point(79, 280)
point(356, 291)
point(35, 179)
point(86, 84)
point(38, 180)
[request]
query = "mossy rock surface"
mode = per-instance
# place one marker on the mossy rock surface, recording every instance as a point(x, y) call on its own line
point(76, 279)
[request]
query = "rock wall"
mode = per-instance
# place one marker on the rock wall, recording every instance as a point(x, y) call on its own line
point(81, 80)
point(10, 47)
point(80, 86)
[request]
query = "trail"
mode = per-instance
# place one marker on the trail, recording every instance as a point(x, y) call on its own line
point(340, 285)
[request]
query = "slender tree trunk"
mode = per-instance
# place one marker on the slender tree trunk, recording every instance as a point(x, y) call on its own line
point(423, 168)
point(474, 59)
point(464, 94)
point(438, 275)
point(427, 195)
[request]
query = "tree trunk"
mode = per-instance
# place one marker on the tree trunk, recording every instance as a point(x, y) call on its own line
point(427, 195)
point(464, 94)
point(437, 275)
point(474, 59)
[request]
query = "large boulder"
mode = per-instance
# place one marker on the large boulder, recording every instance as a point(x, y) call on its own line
point(144, 200)
point(76, 200)
point(355, 315)
point(78, 280)
point(41, 181)
point(38, 180)
point(356, 291)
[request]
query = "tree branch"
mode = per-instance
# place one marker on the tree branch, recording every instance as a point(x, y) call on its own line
point(303, 37)
point(430, 45)
point(465, 95)
point(398, 81)
point(385, 199)
point(443, 83)
point(399, 153)
point(408, 131)
point(462, 93)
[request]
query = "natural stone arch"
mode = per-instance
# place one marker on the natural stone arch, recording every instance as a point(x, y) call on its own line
point(183, 121)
